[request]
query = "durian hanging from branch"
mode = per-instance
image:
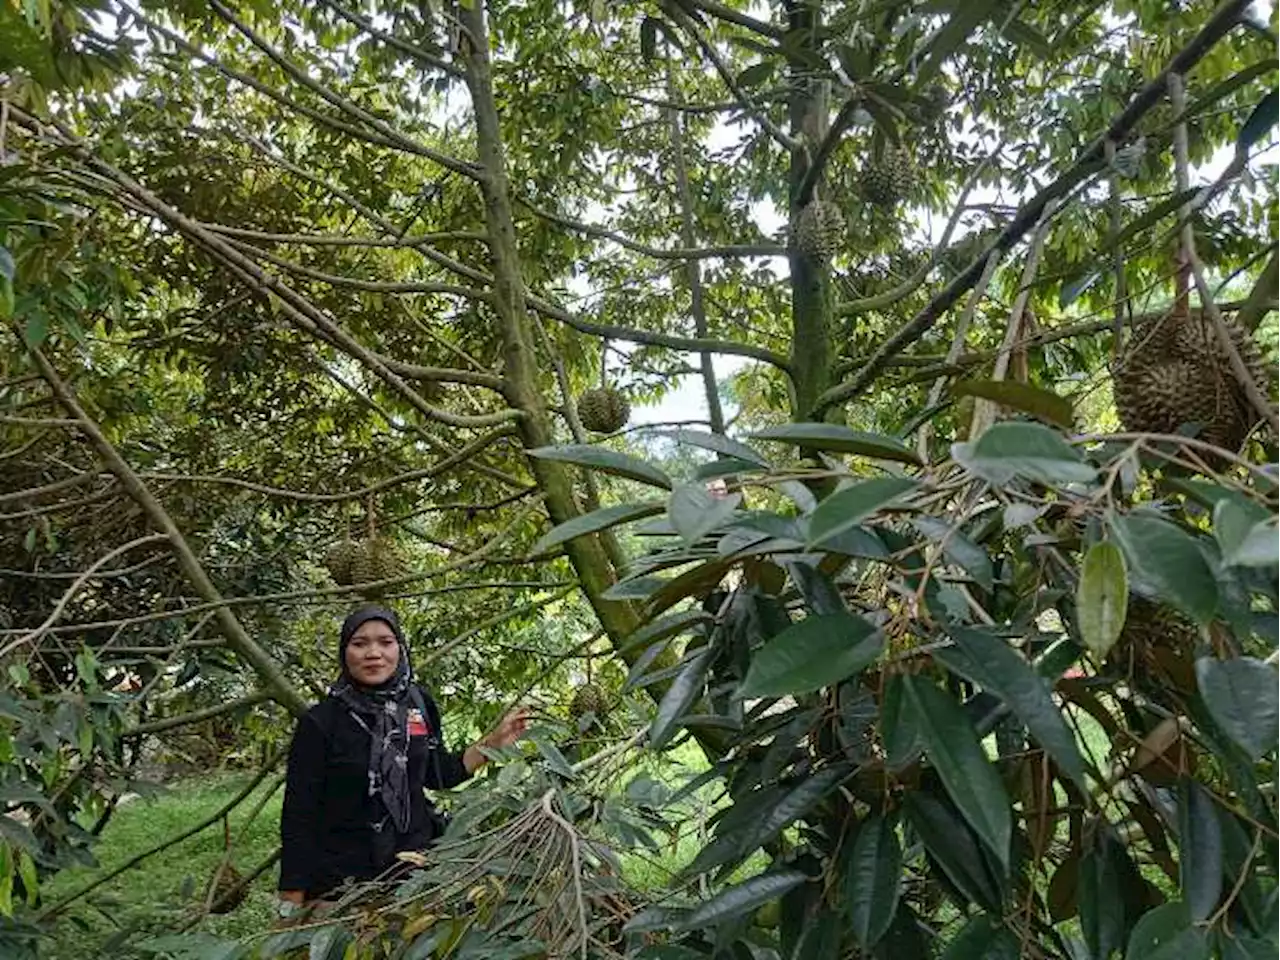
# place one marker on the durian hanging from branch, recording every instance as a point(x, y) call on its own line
point(819, 230)
point(353, 562)
point(604, 409)
point(888, 174)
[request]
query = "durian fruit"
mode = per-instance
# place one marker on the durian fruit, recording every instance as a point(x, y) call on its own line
point(889, 177)
point(588, 698)
point(819, 229)
point(226, 896)
point(1175, 372)
point(603, 410)
point(364, 565)
point(339, 559)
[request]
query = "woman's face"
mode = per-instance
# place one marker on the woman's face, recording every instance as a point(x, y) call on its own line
point(373, 653)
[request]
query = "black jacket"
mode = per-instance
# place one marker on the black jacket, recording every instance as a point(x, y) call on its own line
point(327, 831)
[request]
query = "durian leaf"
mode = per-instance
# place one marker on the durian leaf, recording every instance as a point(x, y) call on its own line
point(605, 461)
point(1044, 404)
point(594, 522)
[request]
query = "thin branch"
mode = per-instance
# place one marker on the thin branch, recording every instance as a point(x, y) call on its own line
point(55, 487)
point(785, 140)
point(438, 651)
point(197, 716)
point(412, 50)
point(688, 252)
point(342, 239)
point(356, 283)
point(1087, 163)
point(729, 15)
point(413, 371)
point(71, 591)
point(424, 473)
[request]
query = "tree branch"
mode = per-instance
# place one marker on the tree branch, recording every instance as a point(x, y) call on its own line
point(55, 487)
point(196, 716)
point(341, 239)
point(657, 253)
point(414, 51)
point(423, 473)
point(76, 584)
point(785, 140)
point(1087, 163)
point(239, 639)
point(729, 15)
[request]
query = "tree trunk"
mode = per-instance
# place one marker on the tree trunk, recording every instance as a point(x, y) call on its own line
point(812, 299)
point(522, 391)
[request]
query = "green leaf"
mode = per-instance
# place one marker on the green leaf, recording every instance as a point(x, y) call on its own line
point(715, 442)
point(873, 880)
point(795, 804)
point(1244, 948)
point(840, 439)
point(1027, 36)
point(816, 652)
point(1242, 698)
point(1262, 119)
point(1029, 450)
point(966, 18)
point(329, 943)
point(955, 752)
point(958, 549)
point(30, 878)
point(741, 899)
point(6, 265)
point(898, 728)
point(755, 74)
point(1167, 933)
point(680, 696)
point(1072, 289)
point(1150, 217)
point(1259, 547)
point(1167, 559)
point(1020, 396)
point(1200, 858)
point(955, 848)
point(694, 511)
point(594, 522)
point(1014, 681)
point(1102, 597)
point(983, 939)
point(1101, 897)
point(37, 329)
point(1234, 519)
point(663, 627)
point(648, 38)
point(605, 461)
point(19, 834)
point(848, 508)
point(555, 759)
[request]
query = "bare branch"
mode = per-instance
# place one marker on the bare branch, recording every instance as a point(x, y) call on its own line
point(55, 487)
point(343, 240)
point(412, 371)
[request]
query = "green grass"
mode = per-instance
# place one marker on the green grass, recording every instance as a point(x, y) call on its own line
point(158, 896)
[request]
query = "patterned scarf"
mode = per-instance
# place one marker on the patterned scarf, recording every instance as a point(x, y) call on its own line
point(382, 712)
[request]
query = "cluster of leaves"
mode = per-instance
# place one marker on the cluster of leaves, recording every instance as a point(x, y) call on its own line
point(949, 719)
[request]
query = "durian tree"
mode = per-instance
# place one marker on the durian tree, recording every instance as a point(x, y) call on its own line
point(286, 283)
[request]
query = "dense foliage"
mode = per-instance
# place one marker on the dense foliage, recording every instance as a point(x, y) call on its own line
point(309, 301)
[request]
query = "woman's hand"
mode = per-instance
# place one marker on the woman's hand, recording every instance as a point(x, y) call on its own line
point(511, 729)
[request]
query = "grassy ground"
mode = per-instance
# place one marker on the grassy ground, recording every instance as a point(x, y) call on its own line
point(156, 897)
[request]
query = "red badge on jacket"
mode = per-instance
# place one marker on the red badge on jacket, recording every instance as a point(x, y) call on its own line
point(418, 726)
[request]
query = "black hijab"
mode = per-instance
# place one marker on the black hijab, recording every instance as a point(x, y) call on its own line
point(383, 713)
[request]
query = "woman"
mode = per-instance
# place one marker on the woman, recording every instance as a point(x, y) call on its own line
point(359, 763)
